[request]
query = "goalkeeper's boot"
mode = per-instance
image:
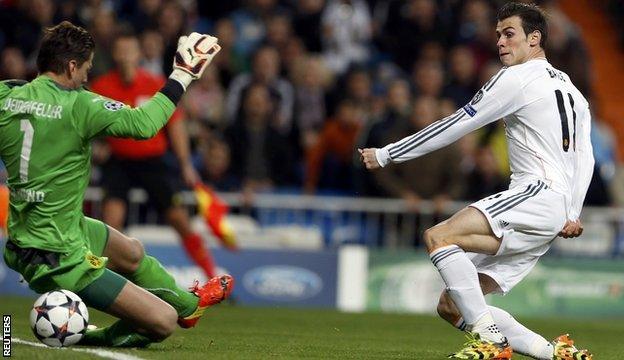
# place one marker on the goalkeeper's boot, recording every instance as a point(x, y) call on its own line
point(213, 292)
point(564, 349)
point(476, 348)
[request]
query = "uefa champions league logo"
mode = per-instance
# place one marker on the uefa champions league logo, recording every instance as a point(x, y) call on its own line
point(113, 105)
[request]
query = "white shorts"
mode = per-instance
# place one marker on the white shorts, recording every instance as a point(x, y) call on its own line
point(527, 218)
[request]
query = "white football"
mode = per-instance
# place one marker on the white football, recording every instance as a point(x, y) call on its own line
point(59, 318)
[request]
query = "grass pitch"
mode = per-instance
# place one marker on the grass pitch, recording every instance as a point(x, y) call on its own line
point(230, 332)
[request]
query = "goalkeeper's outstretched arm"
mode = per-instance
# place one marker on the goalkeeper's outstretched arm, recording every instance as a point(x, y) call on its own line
point(95, 115)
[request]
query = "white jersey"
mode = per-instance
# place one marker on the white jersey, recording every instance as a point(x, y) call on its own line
point(547, 125)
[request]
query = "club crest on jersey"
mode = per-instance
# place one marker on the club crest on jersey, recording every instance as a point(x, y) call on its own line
point(478, 96)
point(113, 105)
point(94, 261)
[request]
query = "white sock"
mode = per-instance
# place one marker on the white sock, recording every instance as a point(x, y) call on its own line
point(521, 339)
point(462, 284)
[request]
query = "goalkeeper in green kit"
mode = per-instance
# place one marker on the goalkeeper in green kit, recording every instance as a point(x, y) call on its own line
point(45, 129)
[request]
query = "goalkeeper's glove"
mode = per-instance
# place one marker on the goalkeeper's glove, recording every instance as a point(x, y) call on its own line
point(193, 55)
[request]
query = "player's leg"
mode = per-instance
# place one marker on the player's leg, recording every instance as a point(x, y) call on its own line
point(127, 257)
point(193, 243)
point(521, 339)
point(526, 219)
point(467, 230)
point(155, 178)
point(144, 318)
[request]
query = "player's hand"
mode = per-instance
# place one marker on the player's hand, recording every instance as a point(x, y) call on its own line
point(571, 229)
point(368, 157)
point(193, 55)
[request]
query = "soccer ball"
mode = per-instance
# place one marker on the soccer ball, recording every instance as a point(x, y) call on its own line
point(59, 318)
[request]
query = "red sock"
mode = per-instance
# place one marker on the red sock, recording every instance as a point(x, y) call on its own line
point(196, 250)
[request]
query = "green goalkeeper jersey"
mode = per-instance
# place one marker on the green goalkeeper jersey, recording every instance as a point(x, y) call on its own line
point(45, 133)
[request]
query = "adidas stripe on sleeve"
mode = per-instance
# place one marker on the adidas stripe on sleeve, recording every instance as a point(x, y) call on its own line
point(500, 96)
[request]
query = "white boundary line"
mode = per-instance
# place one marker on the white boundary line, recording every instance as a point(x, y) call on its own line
point(107, 354)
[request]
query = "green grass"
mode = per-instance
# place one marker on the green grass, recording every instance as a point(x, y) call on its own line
point(229, 332)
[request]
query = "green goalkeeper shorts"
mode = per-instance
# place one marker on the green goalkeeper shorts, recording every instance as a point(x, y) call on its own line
point(46, 271)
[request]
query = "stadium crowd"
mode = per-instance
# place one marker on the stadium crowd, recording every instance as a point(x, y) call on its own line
point(299, 85)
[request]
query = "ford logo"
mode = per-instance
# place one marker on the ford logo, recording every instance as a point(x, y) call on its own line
point(282, 283)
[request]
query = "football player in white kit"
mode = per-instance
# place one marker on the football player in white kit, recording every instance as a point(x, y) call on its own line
point(489, 246)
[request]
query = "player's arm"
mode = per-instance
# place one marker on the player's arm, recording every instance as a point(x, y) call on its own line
point(584, 172)
point(181, 147)
point(500, 96)
point(94, 115)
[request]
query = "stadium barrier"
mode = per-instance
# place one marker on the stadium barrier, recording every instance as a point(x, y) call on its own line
point(285, 259)
point(327, 221)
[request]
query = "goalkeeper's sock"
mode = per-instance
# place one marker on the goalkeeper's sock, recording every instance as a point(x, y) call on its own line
point(120, 334)
point(462, 283)
point(196, 250)
point(153, 277)
point(521, 339)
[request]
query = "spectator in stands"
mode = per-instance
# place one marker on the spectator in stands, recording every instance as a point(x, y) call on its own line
point(68, 10)
point(103, 28)
point(12, 64)
point(311, 80)
point(432, 51)
point(142, 14)
point(171, 24)
point(293, 53)
point(356, 86)
point(265, 71)
point(214, 163)
point(204, 100)
point(278, 31)
point(428, 78)
point(307, 22)
point(260, 153)
point(409, 25)
point(329, 162)
point(475, 29)
point(22, 22)
point(230, 61)
point(152, 46)
point(463, 74)
point(346, 32)
point(141, 163)
point(250, 24)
